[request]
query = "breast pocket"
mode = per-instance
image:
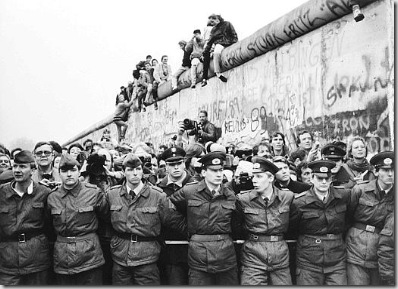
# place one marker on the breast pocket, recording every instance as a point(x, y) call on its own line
point(36, 213)
point(5, 217)
point(118, 217)
point(57, 217)
point(86, 215)
point(148, 216)
point(310, 215)
point(196, 208)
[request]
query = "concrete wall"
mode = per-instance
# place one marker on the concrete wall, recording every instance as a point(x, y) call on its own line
point(336, 81)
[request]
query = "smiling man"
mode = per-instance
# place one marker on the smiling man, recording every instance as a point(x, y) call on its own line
point(318, 218)
point(45, 173)
point(265, 215)
point(24, 249)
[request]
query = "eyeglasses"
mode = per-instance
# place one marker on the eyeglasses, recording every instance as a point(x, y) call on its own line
point(40, 153)
point(4, 161)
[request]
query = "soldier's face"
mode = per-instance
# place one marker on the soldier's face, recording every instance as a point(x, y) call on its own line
point(386, 176)
point(213, 176)
point(44, 155)
point(133, 175)
point(175, 169)
point(262, 181)
point(22, 172)
point(321, 184)
point(69, 176)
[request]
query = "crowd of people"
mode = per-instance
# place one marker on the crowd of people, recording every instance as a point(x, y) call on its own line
point(200, 213)
point(149, 74)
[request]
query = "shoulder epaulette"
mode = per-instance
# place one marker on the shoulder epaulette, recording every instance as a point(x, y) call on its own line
point(88, 185)
point(156, 189)
point(339, 187)
point(115, 187)
point(362, 182)
point(300, 195)
point(191, 183)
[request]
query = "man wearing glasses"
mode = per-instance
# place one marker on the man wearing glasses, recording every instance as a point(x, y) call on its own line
point(175, 258)
point(45, 173)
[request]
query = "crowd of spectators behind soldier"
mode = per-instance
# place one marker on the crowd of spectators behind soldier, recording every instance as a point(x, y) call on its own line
point(134, 206)
point(149, 74)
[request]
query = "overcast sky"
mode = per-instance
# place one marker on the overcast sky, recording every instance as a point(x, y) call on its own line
point(62, 62)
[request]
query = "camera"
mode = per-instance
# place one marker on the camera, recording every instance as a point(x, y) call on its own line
point(194, 126)
point(244, 178)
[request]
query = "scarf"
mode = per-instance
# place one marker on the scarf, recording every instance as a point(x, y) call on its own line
point(359, 167)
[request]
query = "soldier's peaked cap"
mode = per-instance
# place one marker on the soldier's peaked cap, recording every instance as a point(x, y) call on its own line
point(383, 160)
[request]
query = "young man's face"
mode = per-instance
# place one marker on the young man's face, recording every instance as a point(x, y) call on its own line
point(261, 181)
point(306, 175)
point(305, 141)
point(321, 184)
point(69, 176)
point(175, 169)
point(385, 176)
point(22, 172)
point(213, 176)
point(283, 175)
point(4, 162)
point(164, 60)
point(44, 155)
point(202, 117)
point(133, 175)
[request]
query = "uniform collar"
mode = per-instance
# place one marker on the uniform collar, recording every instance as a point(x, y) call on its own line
point(179, 182)
point(137, 190)
point(29, 190)
point(74, 191)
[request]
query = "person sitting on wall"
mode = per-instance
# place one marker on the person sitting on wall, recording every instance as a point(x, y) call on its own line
point(222, 35)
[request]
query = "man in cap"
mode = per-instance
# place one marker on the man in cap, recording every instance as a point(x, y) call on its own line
point(340, 175)
point(283, 179)
point(265, 214)
point(318, 218)
point(75, 208)
point(45, 173)
point(373, 201)
point(138, 211)
point(209, 206)
point(175, 257)
point(24, 249)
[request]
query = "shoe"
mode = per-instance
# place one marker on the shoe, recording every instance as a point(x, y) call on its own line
point(143, 109)
point(204, 82)
point(222, 78)
point(193, 86)
point(156, 106)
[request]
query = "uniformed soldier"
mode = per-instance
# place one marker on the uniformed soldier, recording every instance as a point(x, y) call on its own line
point(24, 249)
point(209, 206)
point(138, 212)
point(340, 175)
point(318, 218)
point(265, 214)
point(174, 258)
point(373, 201)
point(75, 208)
point(283, 179)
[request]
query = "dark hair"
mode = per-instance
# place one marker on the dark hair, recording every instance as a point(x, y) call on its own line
point(299, 153)
point(56, 146)
point(163, 56)
point(154, 60)
point(42, 143)
point(136, 74)
point(76, 144)
point(277, 133)
point(203, 111)
point(285, 150)
point(196, 31)
point(193, 150)
point(301, 133)
point(300, 167)
point(148, 56)
point(13, 151)
point(87, 140)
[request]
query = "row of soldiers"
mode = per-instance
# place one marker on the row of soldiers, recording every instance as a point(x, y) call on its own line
point(344, 236)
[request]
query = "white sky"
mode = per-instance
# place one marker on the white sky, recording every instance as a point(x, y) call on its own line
point(62, 62)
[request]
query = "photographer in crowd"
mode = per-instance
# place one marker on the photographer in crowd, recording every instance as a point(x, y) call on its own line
point(204, 131)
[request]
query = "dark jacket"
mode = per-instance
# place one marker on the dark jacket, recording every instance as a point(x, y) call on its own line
point(186, 59)
point(386, 252)
point(209, 133)
point(23, 215)
point(75, 219)
point(310, 217)
point(208, 215)
point(223, 33)
point(369, 209)
point(270, 219)
point(294, 186)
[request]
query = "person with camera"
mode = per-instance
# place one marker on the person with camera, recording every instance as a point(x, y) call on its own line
point(45, 172)
point(264, 213)
point(25, 252)
point(204, 131)
point(242, 181)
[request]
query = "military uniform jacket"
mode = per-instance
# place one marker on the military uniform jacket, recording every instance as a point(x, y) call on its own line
point(369, 209)
point(310, 217)
point(174, 254)
point(75, 215)
point(142, 216)
point(23, 215)
point(260, 218)
point(386, 251)
point(208, 215)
